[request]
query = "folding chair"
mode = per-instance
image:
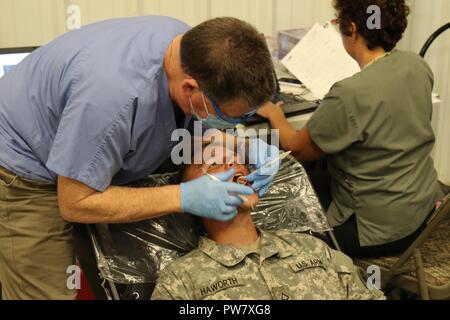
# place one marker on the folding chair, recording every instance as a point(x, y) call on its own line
point(130, 256)
point(424, 268)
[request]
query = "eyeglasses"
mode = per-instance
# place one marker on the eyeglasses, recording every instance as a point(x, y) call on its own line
point(243, 119)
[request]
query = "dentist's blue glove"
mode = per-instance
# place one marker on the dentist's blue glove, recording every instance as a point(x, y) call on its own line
point(211, 199)
point(260, 153)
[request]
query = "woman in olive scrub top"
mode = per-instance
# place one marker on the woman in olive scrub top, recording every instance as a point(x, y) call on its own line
point(375, 130)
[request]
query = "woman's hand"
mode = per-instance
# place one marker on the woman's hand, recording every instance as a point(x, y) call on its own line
point(270, 109)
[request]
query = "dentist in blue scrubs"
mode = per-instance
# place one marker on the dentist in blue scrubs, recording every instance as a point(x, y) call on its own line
point(95, 110)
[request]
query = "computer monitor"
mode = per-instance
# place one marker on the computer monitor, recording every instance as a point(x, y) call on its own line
point(11, 57)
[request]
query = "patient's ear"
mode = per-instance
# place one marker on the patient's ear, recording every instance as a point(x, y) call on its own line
point(184, 173)
point(188, 172)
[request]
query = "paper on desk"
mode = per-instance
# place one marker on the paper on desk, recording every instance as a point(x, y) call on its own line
point(319, 60)
point(436, 98)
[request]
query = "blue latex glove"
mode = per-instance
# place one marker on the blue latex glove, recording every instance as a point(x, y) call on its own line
point(211, 199)
point(260, 153)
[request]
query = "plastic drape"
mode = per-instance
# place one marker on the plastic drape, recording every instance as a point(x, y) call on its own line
point(135, 253)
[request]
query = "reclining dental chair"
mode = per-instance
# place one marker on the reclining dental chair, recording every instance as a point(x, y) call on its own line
point(130, 256)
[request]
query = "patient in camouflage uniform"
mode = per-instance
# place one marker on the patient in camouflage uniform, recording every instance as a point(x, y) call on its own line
point(239, 262)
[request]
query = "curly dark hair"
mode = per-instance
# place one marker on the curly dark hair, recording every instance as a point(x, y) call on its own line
point(394, 20)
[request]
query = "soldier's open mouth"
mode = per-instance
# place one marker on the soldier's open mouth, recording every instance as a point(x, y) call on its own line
point(240, 178)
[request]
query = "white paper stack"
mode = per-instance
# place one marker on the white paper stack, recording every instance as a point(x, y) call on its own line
point(319, 60)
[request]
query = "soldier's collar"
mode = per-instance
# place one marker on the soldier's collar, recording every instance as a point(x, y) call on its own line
point(230, 256)
point(227, 255)
point(272, 245)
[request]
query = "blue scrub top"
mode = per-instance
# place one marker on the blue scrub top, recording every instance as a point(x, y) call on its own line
point(93, 105)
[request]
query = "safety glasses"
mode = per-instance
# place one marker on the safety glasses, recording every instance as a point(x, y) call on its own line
point(243, 119)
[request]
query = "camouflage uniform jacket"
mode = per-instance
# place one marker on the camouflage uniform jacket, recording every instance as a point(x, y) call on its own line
point(290, 266)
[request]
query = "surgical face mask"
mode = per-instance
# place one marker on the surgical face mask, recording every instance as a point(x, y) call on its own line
point(211, 121)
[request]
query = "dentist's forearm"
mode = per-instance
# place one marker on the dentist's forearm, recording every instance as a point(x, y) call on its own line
point(81, 204)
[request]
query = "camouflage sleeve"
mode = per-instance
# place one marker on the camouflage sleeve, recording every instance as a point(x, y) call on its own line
point(351, 279)
point(171, 287)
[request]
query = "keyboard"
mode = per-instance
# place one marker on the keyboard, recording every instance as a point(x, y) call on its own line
point(293, 106)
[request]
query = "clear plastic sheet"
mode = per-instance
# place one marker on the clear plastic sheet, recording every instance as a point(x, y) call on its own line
point(135, 253)
point(291, 203)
